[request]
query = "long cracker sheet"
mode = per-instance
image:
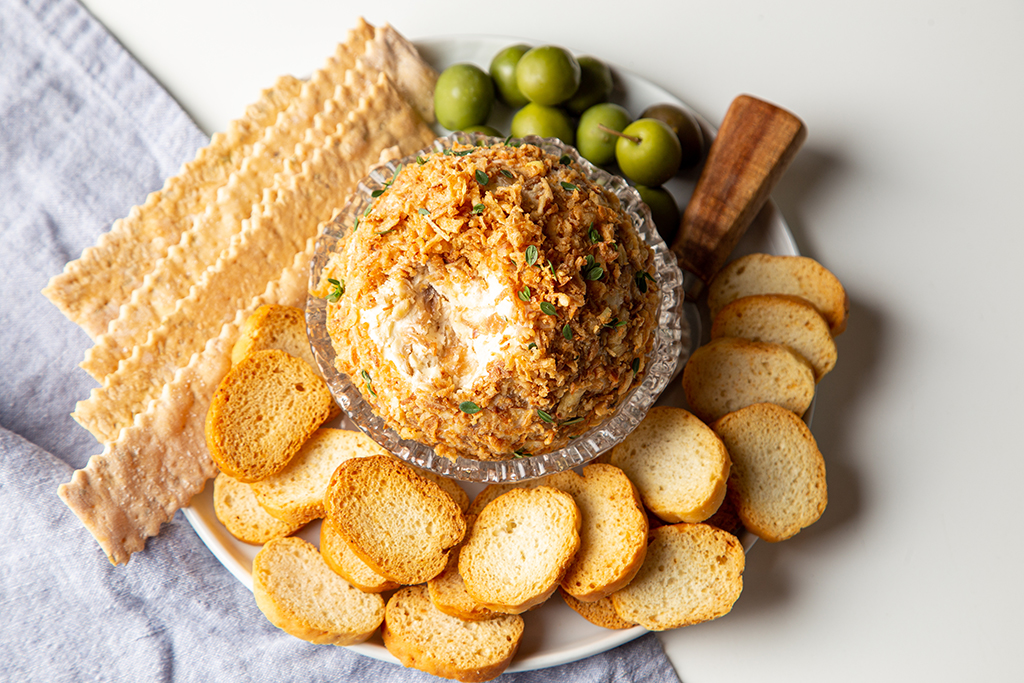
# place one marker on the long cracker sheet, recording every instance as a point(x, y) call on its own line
point(280, 149)
point(92, 288)
point(288, 216)
point(160, 462)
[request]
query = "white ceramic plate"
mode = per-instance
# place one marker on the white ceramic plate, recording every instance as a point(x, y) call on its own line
point(554, 633)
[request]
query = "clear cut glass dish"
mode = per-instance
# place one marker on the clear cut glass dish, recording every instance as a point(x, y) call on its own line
point(671, 337)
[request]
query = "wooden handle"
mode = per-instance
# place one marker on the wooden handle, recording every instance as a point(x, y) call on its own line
point(752, 149)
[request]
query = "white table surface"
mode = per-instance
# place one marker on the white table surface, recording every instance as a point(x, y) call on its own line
point(908, 188)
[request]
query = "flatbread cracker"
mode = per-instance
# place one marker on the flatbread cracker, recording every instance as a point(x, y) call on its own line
point(288, 215)
point(279, 150)
point(160, 461)
point(92, 288)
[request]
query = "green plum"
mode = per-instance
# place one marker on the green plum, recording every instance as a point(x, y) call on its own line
point(596, 144)
point(595, 85)
point(648, 152)
point(503, 71)
point(685, 126)
point(547, 122)
point(548, 75)
point(463, 96)
point(664, 210)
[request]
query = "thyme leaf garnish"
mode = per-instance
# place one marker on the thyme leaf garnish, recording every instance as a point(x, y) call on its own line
point(524, 293)
point(337, 289)
point(568, 187)
point(468, 407)
point(531, 255)
point(545, 416)
point(481, 177)
point(548, 307)
point(567, 332)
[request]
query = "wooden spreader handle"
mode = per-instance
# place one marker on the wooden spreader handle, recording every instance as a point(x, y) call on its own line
point(752, 149)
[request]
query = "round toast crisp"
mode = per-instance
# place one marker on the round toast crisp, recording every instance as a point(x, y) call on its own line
point(519, 547)
point(692, 573)
point(236, 507)
point(678, 464)
point(299, 594)
point(729, 373)
point(401, 524)
point(780, 319)
point(424, 638)
point(264, 409)
point(797, 275)
point(778, 477)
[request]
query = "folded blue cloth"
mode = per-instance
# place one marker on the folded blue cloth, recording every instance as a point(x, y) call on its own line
point(85, 134)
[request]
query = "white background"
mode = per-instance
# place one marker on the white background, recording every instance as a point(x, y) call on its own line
point(908, 188)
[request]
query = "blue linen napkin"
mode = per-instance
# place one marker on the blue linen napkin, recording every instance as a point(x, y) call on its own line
point(86, 133)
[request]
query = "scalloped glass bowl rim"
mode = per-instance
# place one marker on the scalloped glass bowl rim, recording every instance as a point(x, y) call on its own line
point(671, 336)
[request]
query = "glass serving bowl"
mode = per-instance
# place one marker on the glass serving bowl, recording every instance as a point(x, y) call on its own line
point(670, 339)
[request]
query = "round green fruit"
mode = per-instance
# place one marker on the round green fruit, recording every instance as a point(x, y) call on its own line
point(595, 143)
point(685, 126)
point(595, 85)
point(503, 71)
point(547, 122)
point(664, 211)
point(648, 152)
point(463, 97)
point(548, 75)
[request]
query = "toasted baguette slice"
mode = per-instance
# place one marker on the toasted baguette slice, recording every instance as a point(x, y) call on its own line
point(273, 326)
point(422, 637)
point(778, 476)
point(796, 275)
point(399, 523)
point(780, 319)
point(729, 373)
point(296, 493)
point(300, 595)
point(264, 409)
point(613, 531)
point(448, 593)
point(519, 547)
point(346, 564)
point(237, 509)
point(678, 464)
point(600, 612)
point(692, 573)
